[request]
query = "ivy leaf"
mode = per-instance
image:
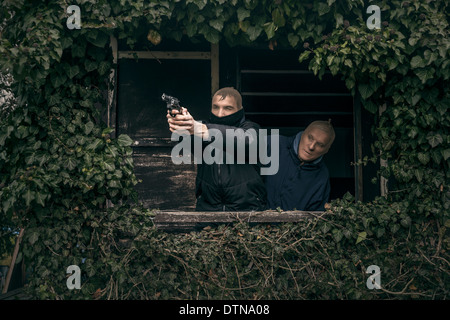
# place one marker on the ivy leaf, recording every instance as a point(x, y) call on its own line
point(370, 106)
point(253, 32)
point(293, 39)
point(88, 127)
point(90, 65)
point(380, 232)
point(107, 130)
point(424, 158)
point(124, 140)
point(325, 228)
point(365, 90)
point(54, 99)
point(242, 13)
point(109, 165)
point(93, 145)
point(57, 80)
point(405, 222)
point(216, 24)
point(441, 107)
point(323, 8)
point(40, 199)
point(103, 67)
point(305, 54)
point(361, 236)
point(446, 154)
point(73, 71)
point(339, 18)
point(419, 174)
point(270, 29)
point(200, 3)
point(415, 99)
point(425, 74)
point(394, 228)
point(100, 39)
point(434, 139)
point(278, 18)
point(417, 62)
point(33, 237)
point(28, 196)
point(211, 35)
point(337, 235)
point(66, 42)
point(70, 163)
point(191, 29)
point(78, 51)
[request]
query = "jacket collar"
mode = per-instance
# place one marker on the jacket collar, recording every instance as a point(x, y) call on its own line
point(294, 153)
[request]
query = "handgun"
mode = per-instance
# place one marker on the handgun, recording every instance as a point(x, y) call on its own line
point(172, 103)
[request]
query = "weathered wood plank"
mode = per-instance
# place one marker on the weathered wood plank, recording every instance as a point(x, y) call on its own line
point(16, 294)
point(184, 221)
point(196, 55)
point(214, 68)
point(164, 186)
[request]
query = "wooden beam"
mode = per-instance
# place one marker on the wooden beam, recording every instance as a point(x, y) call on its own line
point(214, 68)
point(112, 91)
point(195, 55)
point(357, 142)
point(383, 163)
point(296, 94)
point(182, 220)
point(13, 261)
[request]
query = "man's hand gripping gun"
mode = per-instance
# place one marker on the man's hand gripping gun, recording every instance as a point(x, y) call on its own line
point(172, 104)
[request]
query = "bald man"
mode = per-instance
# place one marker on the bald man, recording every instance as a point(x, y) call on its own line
point(302, 181)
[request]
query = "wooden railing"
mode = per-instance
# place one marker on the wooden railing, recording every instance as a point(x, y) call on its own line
point(183, 221)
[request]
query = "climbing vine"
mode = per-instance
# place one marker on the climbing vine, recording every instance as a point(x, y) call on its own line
point(60, 163)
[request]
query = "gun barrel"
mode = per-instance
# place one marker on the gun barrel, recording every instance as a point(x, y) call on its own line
point(171, 100)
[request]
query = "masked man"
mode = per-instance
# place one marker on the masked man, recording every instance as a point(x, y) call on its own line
point(225, 186)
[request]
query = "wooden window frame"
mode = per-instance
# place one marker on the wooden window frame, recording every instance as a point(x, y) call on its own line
point(171, 220)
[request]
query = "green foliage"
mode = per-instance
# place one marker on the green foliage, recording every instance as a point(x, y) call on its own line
point(123, 256)
point(59, 163)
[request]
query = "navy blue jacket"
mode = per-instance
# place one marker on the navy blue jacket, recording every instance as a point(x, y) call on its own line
point(297, 186)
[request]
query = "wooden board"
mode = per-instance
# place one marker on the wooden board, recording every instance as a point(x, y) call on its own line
point(190, 221)
point(164, 186)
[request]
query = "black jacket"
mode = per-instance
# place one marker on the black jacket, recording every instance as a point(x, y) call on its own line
point(230, 187)
point(297, 186)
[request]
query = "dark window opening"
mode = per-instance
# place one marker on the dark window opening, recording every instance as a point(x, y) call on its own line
point(278, 92)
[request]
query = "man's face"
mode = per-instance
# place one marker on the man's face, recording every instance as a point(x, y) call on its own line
point(222, 107)
point(313, 144)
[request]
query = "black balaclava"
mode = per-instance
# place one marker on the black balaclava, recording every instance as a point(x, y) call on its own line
point(233, 119)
